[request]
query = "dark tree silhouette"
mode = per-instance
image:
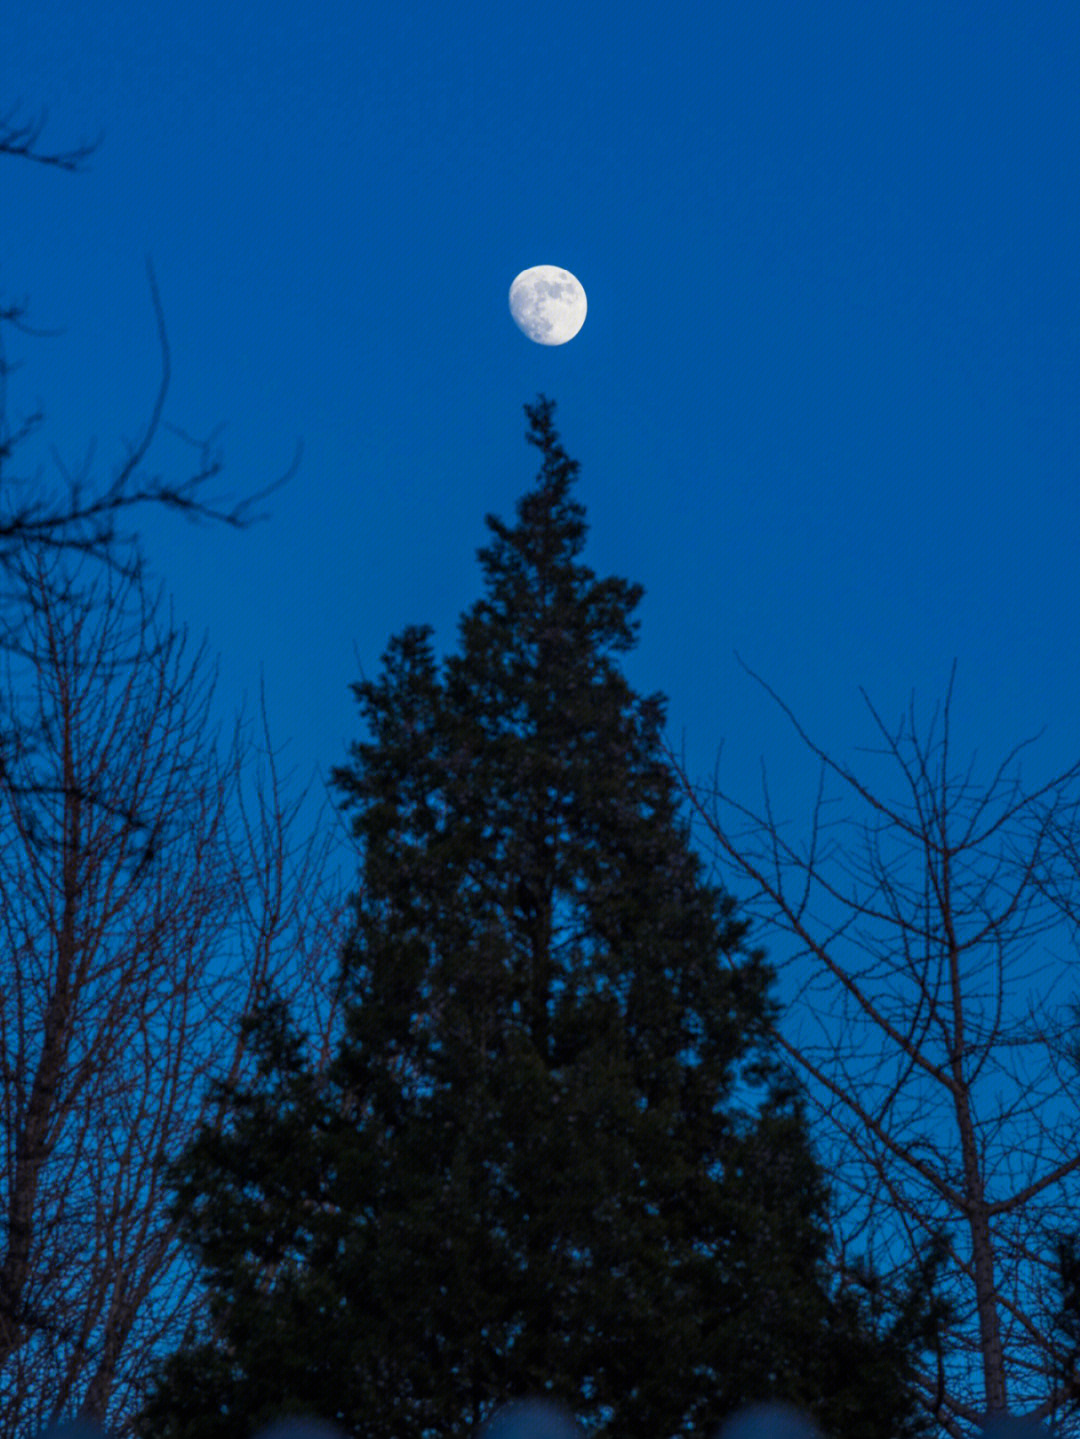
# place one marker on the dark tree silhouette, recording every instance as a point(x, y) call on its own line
point(553, 1153)
point(148, 888)
point(135, 860)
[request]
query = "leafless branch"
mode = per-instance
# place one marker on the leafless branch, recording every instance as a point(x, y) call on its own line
point(20, 139)
point(944, 1101)
point(149, 887)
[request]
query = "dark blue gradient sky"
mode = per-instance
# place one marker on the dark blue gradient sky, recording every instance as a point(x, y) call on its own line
point(825, 401)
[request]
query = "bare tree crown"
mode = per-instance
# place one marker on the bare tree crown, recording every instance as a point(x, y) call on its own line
point(928, 943)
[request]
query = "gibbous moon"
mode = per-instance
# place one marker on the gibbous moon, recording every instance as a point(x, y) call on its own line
point(548, 304)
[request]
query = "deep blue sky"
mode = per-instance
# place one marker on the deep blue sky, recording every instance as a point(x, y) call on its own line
point(825, 400)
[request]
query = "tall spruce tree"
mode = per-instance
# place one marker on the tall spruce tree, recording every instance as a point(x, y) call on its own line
point(552, 1154)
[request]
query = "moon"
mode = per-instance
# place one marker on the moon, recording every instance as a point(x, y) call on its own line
point(548, 304)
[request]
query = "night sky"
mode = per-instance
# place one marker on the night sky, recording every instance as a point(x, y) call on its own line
point(825, 400)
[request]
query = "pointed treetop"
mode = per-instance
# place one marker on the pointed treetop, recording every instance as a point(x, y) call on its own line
point(530, 567)
point(547, 508)
point(558, 466)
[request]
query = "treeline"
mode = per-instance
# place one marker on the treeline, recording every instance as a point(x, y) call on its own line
point(521, 1115)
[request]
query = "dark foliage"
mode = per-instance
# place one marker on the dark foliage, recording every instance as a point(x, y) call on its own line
point(553, 1154)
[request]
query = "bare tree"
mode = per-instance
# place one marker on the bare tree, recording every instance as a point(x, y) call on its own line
point(149, 892)
point(928, 947)
point(84, 514)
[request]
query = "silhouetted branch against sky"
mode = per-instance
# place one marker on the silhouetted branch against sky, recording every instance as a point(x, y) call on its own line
point(87, 519)
point(150, 889)
point(924, 924)
point(21, 137)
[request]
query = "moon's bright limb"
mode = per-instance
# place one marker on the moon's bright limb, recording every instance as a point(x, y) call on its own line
point(548, 304)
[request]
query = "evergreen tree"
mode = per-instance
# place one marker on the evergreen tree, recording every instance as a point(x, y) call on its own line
point(553, 1153)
